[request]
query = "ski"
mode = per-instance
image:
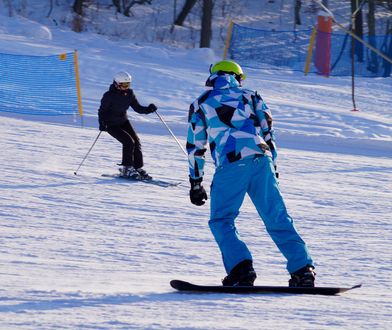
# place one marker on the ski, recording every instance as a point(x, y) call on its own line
point(156, 182)
point(257, 289)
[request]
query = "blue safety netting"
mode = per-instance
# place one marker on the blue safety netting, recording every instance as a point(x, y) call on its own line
point(38, 85)
point(282, 50)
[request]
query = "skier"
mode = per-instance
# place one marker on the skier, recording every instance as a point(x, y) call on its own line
point(237, 124)
point(113, 118)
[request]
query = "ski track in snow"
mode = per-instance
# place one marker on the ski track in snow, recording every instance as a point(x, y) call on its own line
point(90, 252)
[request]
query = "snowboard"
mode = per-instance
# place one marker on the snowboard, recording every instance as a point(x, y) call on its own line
point(257, 289)
point(156, 182)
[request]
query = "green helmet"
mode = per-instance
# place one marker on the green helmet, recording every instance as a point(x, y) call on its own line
point(228, 66)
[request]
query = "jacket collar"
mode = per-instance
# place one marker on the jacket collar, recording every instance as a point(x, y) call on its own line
point(221, 81)
point(114, 89)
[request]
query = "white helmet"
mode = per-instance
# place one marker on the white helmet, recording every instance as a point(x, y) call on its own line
point(122, 77)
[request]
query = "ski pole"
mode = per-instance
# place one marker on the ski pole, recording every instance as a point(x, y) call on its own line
point(96, 139)
point(178, 142)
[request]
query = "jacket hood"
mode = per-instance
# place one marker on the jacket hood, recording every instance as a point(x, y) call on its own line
point(221, 81)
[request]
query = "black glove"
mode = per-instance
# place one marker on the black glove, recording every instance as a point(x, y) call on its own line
point(152, 108)
point(197, 193)
point(102, 125)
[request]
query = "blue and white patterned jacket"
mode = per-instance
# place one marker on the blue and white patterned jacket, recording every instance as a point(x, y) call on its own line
point(235, 122)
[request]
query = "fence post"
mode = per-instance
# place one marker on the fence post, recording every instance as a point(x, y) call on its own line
point(322, 59)
point(310, 50)
point(77, 77)
point(228, 39)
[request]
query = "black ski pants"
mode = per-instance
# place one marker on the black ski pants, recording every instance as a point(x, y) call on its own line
point(131, 147)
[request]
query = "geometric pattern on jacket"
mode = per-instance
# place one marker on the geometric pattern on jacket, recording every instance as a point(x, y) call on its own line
point(235, 122)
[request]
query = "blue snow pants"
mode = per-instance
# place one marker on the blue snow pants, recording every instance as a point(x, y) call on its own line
point(255, 176)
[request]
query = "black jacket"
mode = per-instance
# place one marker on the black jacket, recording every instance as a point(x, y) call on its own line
point(114, 106)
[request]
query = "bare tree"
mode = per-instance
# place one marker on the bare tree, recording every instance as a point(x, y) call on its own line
point(50, 8)
point(77, 22)
point(206, 31)
point(297, 12)
point(387, 65)
point(78, 7)
point(371, 20)
point(124, 6)
point(8, 3)
point(184, 12)
point(357, 27)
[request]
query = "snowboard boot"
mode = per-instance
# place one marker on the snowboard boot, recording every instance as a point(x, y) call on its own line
point(129, 172)
point(143, 174)
point(242, 274)
point(303, 277)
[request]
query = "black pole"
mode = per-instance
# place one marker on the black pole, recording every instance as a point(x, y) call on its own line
point(96, 139)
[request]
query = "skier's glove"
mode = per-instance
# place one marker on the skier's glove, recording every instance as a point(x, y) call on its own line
point(102, 125)
point(152, 108)
point(197, 193)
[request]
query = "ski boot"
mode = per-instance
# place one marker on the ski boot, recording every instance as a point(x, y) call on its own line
point(143, 174)
point(129, 172)
point(242, 274)
point(303, 277)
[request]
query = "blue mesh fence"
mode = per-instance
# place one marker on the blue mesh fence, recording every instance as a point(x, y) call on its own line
point(38, 85)
point(366, 62)
point(282, 50)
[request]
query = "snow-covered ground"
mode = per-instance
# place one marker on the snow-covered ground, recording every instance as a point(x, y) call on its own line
point(87, 252)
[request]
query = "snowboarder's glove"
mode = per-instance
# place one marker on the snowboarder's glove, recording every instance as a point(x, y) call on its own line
point(152, 108)
point(197, 193)
point(102, 125)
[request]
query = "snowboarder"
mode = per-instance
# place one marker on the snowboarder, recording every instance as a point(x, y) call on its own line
point(113, 118)
point(237, 124)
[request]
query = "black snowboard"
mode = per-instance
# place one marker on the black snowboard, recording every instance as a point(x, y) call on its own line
point(189, 287)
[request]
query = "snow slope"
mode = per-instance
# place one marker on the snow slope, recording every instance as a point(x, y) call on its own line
point(87, 252)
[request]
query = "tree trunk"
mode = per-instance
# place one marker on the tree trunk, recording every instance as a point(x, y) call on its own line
point(297, 12)
point(388, 49)
point(184, 12)
point(77, 22)
point(373, 63)
point(117, 4)
point(50, 8)
point(206, 31)
point(8, 3)
point(78, 7)
point(358, 29)
point(372, 18)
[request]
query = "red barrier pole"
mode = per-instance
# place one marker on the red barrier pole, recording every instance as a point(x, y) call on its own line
point(322, 57)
